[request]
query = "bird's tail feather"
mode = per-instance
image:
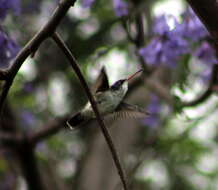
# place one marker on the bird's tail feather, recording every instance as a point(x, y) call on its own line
point(76, 120)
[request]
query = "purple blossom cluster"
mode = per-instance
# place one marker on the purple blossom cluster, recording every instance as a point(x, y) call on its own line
point(153, 108)
point(8, 49)
point(206, 53)
point(191, 27)
point(120, 8)
point(167, 46)
point(166, 49)
point(7, 5)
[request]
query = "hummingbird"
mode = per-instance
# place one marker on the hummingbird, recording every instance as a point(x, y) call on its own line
point(109, 101)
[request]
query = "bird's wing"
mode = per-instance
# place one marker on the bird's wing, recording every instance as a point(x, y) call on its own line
point(101, 84)
point(125, 111)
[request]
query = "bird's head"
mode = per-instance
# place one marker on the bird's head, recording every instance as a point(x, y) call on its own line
point(123, 83)
point(119, 84)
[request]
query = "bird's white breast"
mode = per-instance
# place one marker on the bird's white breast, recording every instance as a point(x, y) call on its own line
point(107, 101)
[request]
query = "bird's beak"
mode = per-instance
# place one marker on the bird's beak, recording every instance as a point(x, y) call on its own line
point(133, 75)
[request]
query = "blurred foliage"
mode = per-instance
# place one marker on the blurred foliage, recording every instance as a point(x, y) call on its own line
point(180, 149)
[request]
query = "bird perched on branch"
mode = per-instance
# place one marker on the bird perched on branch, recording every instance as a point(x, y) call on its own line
point(109, 100)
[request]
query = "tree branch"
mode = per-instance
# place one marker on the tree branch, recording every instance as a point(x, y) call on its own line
point(164, 94)
point(23, 148)
point(139, 42)
point(104, 130)
point(139, 39)
point(26, 156)
point(48, 130)
point(3, 74)
point(127, 29)
point(207, 11)
point(12, 140)
point(208, 92)
point(33, 45)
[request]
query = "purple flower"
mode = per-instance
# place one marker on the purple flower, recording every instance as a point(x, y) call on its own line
point(160, 26)
point(152, 121)
point(120, 8)
point(87, 3)
point(28, 119)
point(154, 109)
point(6, 5)
point(8, 49)
point(206, 53)
point(191, 28)
point(154, 106)
point(173, 48)
point(152, 52)
point(165, 49)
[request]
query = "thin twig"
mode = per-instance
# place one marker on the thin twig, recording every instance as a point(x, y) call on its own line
point(48, 130)
point(139, 39)
point(3, 74)
point(208, 92)
point(52, 127)
point(201, 8)
point(127, 29)
point(159, 89)
point(33, 45)
point(206, 10)
point(105, 132)
point(141, 157)
point(29, 165)
point(15, 141)
point(23, 148)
